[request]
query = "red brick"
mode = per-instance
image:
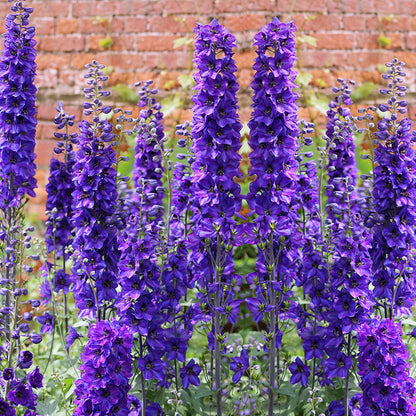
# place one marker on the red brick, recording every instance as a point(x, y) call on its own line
point(188, 6)
point(334, 6)
point(386, 6)
point(170, 24)
point(135, 24)
point(44, 148)
point(130, 61)
point(167, 60)
point(409, 58)
point(245, 60)
point(304, 6)
point(49, 9)
point(322, 22)
point(368, 59)
point(49, 60)
point(67, 26)
point(369, 41)
point(44, 25)
point(105, 24)
point(62, 43)
point(244, 77)
point(101, 8)
point(47, 78)
point(351, 6)
point(319, 59)
point(154, 42)
point(405, 6)
point(139, 7)
point(354, 22)
point(119, 43)
point(46, 111)
point(399, 23)
point(246, 21)
point(334, 40)
point(79, 60)
point(410, 40)
point(234, 6)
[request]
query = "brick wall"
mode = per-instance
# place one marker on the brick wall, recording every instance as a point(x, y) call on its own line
point(143, 32)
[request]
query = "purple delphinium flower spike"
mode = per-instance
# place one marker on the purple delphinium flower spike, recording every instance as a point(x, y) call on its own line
point(17, 108)
point(273, 138)
point(216, 140)
point(94, 207)
point(17, 181)
point(394, 193)
point(340, 148)
point(60, 187)
point(107, 367)
point(386, 385)
point(147, 170)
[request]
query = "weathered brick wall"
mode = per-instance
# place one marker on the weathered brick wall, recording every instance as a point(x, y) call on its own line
point(143, 32)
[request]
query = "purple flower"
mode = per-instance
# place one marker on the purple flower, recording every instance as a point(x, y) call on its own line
point(239, 365)
point(17, 109)
point(22, 395)
point(189, 374)
point(72, 337)
point(6, 409)
point(35, 378)
point(107, 367)
point(300, 372)
point(47, 322)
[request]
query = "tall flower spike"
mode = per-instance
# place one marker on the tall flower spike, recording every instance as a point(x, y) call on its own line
point(216, 140)
point(60, 187)
point(17, 108)
point(386, 385)
point(95, 198)
point(341, 168)
point(103, 386)
point(273, 138)
point(394, 193)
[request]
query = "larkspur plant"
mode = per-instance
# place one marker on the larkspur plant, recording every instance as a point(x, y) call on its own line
point(192, 305)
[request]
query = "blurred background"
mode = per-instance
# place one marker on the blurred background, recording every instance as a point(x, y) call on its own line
point(153, 39)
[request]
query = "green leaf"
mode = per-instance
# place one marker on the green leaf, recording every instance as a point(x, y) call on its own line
point(304, 78)
point(46, 407)
point(177, 43)
point(310, 40)
point(319, 102)
point(126, 93)
point(186, 80)
point(383, 41)
point(363, 91)
point(171, 103)
point(105, 43)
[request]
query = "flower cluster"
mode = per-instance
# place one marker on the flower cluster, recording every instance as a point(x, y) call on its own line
point(216, 140)
point(394, 190)
point(60, 187)
point(340, 147)
point(107, 367)
point(17, 108)
point(94, 204)
point(386, 385)
point(273, 138)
